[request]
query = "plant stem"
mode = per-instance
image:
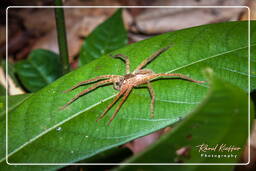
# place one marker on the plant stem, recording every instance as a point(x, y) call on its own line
point(62, 39)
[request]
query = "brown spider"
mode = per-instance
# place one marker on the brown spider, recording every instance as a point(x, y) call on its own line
point(125, 84)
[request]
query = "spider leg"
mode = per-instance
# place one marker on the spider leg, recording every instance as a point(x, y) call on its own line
point(152, 57)
point(152, 94)
point(154, 76)
point(111, 104)
point(86, 91)
point(120, 105)
point(90, 80)
point(126, 60)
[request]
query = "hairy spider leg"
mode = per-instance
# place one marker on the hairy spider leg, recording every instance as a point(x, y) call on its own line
point(87, 90)
point(152, 94)
point(120, 105)
point(90, 81)
point(154, 76)
point(152, 57)
point(112, 103)
point(126, 60)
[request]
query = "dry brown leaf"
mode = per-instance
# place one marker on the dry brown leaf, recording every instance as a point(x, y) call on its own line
point(252, 6)
point(159, 20)
point(13, 89)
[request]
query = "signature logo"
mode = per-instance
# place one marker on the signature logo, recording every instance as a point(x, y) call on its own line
point(217, 148)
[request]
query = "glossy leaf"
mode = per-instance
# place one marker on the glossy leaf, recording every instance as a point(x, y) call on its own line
point(13, 102)
point(108, 36)
point(40, 132)
point(40, 69)
point(113, 155)
point(210, 124)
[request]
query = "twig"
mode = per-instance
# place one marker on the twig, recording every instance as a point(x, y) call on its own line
point(62, 39)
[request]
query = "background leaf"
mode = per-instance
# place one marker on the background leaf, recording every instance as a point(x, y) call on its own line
point(40, 132)
point(209, 124)
point(108, 36)
point(40, 69)
point(2, 90)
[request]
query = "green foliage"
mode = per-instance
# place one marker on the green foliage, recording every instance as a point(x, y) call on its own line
point(108, 36)
point(40, 132)
point(209, 124)
point(13, 101)
point(2, 90)
point(41, 68)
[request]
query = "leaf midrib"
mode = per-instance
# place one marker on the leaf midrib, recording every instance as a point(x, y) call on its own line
point(14, 107)
point(210, 57)
point(57, 125)
point(90, 107)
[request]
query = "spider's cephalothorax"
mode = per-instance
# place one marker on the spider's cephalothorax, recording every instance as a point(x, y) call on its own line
point(125, 84)
point(118, 82)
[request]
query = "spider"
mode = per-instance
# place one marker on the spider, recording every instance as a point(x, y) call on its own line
point(125, 84)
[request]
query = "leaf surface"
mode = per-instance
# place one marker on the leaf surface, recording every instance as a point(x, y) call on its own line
point(2, 90)
point(38, 131)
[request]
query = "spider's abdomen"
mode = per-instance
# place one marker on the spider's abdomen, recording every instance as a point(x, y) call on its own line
point(128, 76)
point(135, 80)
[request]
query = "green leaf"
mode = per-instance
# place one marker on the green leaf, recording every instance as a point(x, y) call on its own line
point(40, 132)
point(40, 69)
point(2, 90)
point(13, 102)
point(113, 155)
point(213, 123)
point(108, 36)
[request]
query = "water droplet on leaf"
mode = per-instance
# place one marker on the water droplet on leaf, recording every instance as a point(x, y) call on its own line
point(59, 129)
